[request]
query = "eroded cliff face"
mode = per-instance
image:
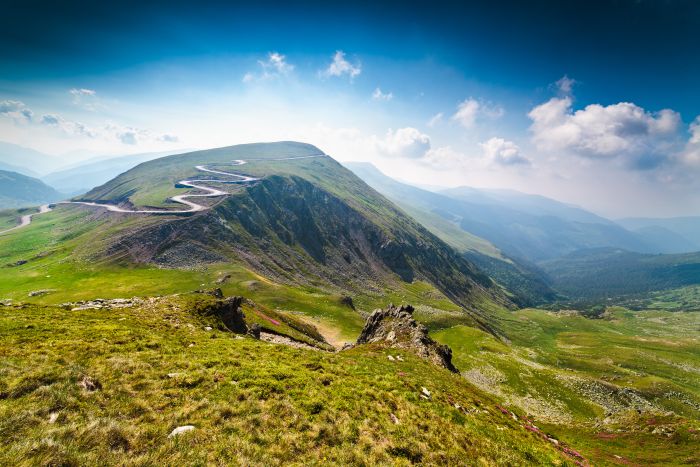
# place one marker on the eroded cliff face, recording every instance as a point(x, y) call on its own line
point(395, 327)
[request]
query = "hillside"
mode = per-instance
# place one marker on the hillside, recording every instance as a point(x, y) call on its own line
point(142, 370)
point(17, 190)
point(610, 272)
point(526, 284)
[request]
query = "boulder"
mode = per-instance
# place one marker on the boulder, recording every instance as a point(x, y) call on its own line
point(395, 327)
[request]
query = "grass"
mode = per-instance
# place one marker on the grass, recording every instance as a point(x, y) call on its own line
point(584, 379)
point(250, 402)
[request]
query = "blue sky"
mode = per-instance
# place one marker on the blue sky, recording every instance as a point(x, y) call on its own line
point(592, 103)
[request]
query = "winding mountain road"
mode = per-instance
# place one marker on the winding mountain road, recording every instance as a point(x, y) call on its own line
point(198, 184)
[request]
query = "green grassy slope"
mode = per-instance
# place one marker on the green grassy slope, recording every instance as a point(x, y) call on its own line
point(251, 402)
point(627, 385)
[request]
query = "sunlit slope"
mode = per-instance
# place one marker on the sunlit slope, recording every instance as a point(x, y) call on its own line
point(157, 366)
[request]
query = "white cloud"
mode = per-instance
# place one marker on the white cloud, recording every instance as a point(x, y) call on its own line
point(168, 138)
point(565, 85)
point(445, 157)
point(60, 126)
point(470, 110)
point(622, 130)
point(274, 66)
point(68, 127)
point(340, 66)
point(82, 92)
point(277, 62)
point(16, 110)
point(691, 153)
point(378, 95)
point(404, 142)
point(435, 119)
point(86, 98)
point(499, 151)
point(128, 137)
point(136, 136)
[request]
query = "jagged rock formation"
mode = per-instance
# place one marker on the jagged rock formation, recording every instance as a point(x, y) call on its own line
point(396, 327)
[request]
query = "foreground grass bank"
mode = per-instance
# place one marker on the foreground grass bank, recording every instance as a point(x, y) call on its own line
point(109, 386)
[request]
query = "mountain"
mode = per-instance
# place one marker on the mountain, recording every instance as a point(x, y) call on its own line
point(673, 234)
point(17, 190)
point(27, 161)
point(520, 225)
point(611, 272)
point(307, 221)
point(82, 177)
point(525, 282)
point(523, 202)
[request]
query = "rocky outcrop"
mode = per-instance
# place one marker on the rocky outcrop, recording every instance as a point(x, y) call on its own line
point(228, 310)
point(395, 327)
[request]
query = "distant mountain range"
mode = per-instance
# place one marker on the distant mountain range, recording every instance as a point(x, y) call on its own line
point(17, 190)
point(27, 161)
point(524, 226)
point(678, 234)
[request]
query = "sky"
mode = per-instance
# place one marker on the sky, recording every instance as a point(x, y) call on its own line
point(592, 103)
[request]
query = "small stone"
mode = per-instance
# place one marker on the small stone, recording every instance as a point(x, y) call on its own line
point(399, 358)
point(425, 393)
point(191, 345)
point(208, 328)
point(391, 336)
point(555, 442)
point(180, 430)
point(390, 358)
point(174, 375)
point(394, 419)
point(53, 416)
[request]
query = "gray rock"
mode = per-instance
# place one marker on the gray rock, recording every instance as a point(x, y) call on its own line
point(395, 327)
point(180, 430)
point(255, 330)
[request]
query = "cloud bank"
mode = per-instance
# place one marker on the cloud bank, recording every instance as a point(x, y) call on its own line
point(622, 131)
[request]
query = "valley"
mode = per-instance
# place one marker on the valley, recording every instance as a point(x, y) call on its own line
point(313, 250)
